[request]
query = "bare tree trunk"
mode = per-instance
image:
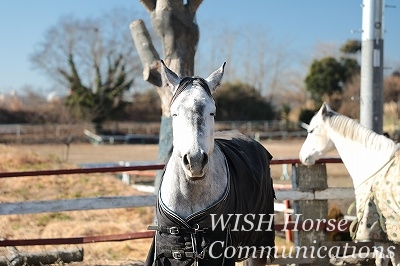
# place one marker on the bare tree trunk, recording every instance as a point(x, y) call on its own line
point(174, 22)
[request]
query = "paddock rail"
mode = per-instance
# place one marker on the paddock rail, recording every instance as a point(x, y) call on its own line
point(309, 194)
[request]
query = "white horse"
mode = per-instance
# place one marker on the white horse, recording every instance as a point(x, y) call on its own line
point(205, 214)
point(372, 162)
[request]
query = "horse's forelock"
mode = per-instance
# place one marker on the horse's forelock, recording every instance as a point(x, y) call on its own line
point(184, 84)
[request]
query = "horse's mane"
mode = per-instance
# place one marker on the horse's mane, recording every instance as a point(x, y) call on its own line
point(351, 129)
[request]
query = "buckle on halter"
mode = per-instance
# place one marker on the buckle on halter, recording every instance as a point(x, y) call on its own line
point(173, 230)
point(178, 255)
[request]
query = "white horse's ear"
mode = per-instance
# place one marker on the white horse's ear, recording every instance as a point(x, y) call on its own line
point(324, 109)
point(169, 78)
point(214, 80)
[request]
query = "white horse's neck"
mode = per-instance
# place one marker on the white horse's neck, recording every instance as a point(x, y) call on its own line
point(186, 197)
point(361, 159)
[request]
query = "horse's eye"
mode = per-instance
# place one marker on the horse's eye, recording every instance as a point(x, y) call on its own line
point(212, 114)
point(174, 115)
point(311, 131)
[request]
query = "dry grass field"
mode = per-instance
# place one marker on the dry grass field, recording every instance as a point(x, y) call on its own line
point(114, 221)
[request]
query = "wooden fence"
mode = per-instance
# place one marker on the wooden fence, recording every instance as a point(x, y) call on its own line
point(309, 193)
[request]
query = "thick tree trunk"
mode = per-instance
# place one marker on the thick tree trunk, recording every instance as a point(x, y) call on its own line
point(174, 22)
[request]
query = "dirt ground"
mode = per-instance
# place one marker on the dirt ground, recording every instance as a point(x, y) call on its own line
point(116, 221)
point(86, 152)
point(82, 153)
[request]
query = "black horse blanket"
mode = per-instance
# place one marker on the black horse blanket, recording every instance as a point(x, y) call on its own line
point(246, 208)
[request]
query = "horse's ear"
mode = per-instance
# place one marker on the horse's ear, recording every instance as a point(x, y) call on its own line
point(325, 109)
point(214, 80)
point(169, 78)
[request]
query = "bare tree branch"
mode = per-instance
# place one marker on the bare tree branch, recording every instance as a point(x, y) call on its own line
point(150, 5)
point(193, 5)
point(147, 53)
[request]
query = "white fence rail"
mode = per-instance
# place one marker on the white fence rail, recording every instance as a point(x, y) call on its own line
point(97, 203)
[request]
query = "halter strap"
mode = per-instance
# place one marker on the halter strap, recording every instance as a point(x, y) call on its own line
point(184, 84)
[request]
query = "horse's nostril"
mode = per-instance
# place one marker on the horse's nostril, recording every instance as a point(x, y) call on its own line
point(205, 159)
point(185, 159)
point(195, 162)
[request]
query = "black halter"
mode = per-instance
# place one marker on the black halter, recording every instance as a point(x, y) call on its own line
point(184, 84)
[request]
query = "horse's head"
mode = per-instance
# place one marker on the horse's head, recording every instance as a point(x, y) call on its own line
point(317, 142)
point(193, 110)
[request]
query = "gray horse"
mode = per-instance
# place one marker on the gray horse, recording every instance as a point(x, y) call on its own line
point(216, 200)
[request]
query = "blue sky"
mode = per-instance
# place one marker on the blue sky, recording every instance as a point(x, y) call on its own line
point(302, 23)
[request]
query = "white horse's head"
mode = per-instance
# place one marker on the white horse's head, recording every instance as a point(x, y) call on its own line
point(193, 110)
point(317, 142)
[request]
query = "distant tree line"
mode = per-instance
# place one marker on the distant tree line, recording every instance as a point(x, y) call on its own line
point(240, 101)
point(330, 79)
point(235, 101)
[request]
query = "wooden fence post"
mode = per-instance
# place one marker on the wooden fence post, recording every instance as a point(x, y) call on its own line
point(310, 178)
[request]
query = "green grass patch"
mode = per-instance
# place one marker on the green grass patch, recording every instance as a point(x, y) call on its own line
point(59, 216)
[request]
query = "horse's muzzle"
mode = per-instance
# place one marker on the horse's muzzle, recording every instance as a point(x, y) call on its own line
point(195, 164)
point(307, 161)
